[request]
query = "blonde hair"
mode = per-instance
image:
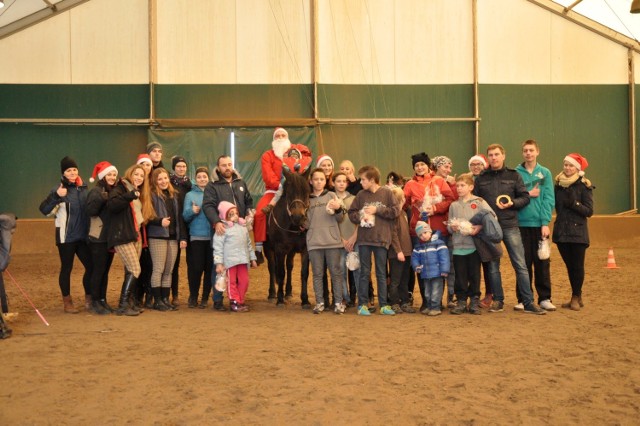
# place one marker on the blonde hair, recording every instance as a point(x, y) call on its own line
point(466, 178)
point(148, 212)
point(155, 189)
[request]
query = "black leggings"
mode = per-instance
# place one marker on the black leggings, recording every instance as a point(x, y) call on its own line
point(573, 257)
point(101, 259)
point(67, 253)
point(199, 263)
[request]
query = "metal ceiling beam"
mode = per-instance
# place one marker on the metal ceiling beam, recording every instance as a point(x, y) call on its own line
point(41, 15)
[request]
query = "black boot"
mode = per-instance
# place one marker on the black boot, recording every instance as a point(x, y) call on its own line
point(104, 304)
point(166, 291)
point(124, 308)
point(157, 300)
point(98, 308)
point(474, 306)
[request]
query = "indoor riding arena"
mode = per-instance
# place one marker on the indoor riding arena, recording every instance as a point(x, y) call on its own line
point(370, 81)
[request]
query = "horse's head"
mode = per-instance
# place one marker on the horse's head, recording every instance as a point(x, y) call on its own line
point(296, 195)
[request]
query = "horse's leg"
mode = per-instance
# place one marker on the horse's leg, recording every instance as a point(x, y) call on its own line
point(279, 267)
point(288, 290)
point(271, 264)
point(304, 278)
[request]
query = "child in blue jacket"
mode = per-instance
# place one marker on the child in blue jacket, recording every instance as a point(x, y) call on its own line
point(430, 258)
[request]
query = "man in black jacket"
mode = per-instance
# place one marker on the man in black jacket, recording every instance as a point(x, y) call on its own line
point(226, 185)
point(504, 190)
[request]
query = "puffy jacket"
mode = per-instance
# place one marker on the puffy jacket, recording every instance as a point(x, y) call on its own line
point(538, 212)
point(433, 256)
point(236, 192)
point(97, 210)
point(574, 205)
point(72, 222)
point(414, 191)
point(199, 226)
point(123, 228)
point(233, 247)
point(505, 181)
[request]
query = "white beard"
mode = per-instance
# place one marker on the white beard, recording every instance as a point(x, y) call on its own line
point(280, 146)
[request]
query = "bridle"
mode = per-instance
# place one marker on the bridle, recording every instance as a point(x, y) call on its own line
point(289, 206)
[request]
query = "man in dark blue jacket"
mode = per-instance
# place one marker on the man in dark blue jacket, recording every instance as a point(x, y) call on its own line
point(504, 190)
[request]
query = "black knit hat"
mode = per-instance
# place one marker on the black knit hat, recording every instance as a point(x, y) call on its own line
point(177, 159)
point(421, 157)
point(67, 163)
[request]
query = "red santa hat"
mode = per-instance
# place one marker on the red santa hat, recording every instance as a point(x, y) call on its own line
point(101, 170)
point(481, 158)
point(144, 158)
point(323, 157)
point(278, 129)
point(578, 161)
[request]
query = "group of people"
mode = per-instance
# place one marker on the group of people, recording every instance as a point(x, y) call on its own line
point(433, 228)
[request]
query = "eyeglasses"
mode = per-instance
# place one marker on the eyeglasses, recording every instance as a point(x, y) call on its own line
point(476, 165)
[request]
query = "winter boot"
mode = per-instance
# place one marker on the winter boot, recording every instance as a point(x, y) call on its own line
point(474, 306)
point(68, 305)
point(124, 308)
point(108, 307)
point(165, 291)
point(158, 305)
point(460, 307)
point(98, 309)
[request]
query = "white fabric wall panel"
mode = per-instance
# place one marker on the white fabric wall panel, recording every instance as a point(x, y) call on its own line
point(514, 42)
point(38, 55)
point(234, 42)
point(580, 56)
point(109, 42)
point(197, 42)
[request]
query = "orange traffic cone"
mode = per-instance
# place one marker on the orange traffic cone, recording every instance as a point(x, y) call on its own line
point(611, 261)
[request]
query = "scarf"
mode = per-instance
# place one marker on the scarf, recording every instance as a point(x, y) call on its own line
point(566, 181)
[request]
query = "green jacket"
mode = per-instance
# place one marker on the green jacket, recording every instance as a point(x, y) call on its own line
point(538, 212)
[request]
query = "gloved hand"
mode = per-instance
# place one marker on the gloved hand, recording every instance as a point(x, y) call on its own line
point(419, 269)
point(424, 216)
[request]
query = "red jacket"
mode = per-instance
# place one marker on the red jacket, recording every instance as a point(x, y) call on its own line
point(414, 191)
point(272, 166)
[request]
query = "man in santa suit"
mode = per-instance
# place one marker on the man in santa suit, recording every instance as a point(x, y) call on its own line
point(271, 175)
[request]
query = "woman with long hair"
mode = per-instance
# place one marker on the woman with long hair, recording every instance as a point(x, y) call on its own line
point(166, 232)
point(130, 208)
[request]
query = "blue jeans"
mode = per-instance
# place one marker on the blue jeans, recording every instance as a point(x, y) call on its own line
point(433, 289)
point(513, 242)
point(380, 256)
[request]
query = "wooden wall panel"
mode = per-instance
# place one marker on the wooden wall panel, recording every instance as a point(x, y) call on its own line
point(109, 42)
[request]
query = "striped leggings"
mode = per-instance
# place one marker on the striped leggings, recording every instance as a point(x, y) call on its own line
point(163, 257)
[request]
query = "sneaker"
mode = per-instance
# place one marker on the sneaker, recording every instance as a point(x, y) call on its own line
point(487, 301)
point(434, 313)
point(319, 308)
point(547, 305)
point(425, 311)
point(386, 310)
point(532, 308)
point(519, 307)
point(339, 309)
point(407, 308)
point(363, 310)
point(451, 304)
point(496, 306)
point(397, 309)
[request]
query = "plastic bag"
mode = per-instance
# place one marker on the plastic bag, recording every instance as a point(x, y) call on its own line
point(221, 282)
point(367, 220)
point(544, 249)
point(353, 261)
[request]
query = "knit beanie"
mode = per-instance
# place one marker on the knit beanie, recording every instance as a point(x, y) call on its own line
point(153, 145)
point(420, 157)
point(101, 170)
point(67, 163)
point(223, 209)
point(177, 159)
point(440, 160)
point(422, 227)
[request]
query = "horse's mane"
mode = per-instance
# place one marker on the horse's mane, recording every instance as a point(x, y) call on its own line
point(296, 186)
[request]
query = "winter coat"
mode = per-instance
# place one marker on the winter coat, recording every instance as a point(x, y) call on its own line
point(574, 205)
point(123, 227)
point(182, 185)
point(155, 228)
point(233, 247)
point(323, 231)
point(98, 213)
point(433, 256)
point(72, 221)
point(236, 192)
point(414, 191)
point(505, 181)
point(538, 212)
point(199, 226)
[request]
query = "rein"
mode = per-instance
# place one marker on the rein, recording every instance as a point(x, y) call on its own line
point(272, 216)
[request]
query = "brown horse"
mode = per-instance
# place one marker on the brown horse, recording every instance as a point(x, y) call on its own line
point(286, 236)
